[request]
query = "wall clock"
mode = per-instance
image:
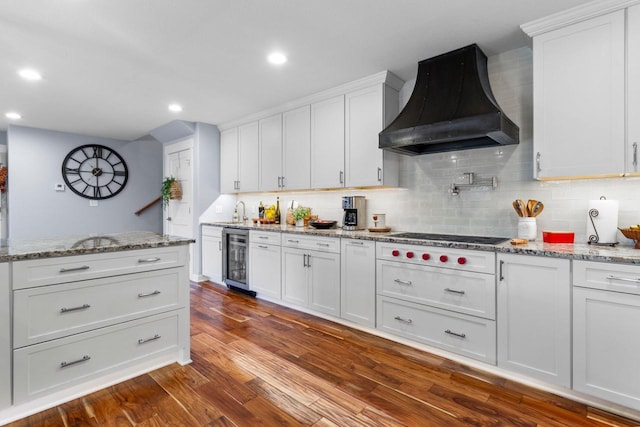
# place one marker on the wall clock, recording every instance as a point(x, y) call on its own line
point(94, 171)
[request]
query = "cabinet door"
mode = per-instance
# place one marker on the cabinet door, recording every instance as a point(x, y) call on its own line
point(605, 345)
point(229, 160)
point(212, 258)
point(358, 278)
point(327, 143)
point(579, 99)
point(5, 337)
point(295, 283)
point(324, 268)
point(265, 270)
point(271, 153)
point(633, 89)
point(534, 317)
point(296, 148)
point(249, 157)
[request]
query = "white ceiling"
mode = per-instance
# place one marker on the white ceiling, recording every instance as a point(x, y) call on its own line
point(111, 67)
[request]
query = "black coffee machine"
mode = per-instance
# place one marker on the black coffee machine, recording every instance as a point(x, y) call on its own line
point(355, 216)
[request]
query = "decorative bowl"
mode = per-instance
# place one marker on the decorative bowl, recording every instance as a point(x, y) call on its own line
point(633, 234)
point(322, 223)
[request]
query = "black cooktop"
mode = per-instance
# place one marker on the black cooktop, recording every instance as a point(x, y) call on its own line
point(453, 238)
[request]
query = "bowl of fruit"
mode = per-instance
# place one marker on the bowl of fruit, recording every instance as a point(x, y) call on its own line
point(633, 233)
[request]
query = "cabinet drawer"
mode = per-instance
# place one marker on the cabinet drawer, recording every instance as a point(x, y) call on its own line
point(466, 335)
point(50, 312)
point(464, 292)
point(51, 366)
point(610, 277)
point(40, 272)
point(266, 237)
point(324, 244)
point(211, 231)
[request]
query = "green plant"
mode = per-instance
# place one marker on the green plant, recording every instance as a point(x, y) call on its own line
point(301, 212)
point(166, 189)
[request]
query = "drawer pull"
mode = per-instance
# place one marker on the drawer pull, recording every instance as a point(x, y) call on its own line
point(74, 362)
point(323, 244)
point(149, 294)
point(143, 341)
point(455, 334)
point(453, 291)
point(263, 246)
point(409, 321)
point(293, 241)
point(146, 260)
point(81, 307)
point(262, 237)
point(403, 282)
point(623, 279)
point(69, 270)
point(357, 243)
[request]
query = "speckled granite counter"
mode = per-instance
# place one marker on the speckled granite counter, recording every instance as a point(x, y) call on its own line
point(622, 253)
point(78, 245)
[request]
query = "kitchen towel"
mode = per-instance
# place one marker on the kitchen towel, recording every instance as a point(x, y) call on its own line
point(603, 214)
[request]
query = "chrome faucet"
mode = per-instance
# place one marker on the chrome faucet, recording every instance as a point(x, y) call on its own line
point(244, 210)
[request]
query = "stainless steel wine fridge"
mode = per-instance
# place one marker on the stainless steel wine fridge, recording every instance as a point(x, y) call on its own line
point(235, 259)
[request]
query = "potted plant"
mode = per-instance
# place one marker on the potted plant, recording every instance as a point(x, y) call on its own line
point(300, 214)
point(170, 190)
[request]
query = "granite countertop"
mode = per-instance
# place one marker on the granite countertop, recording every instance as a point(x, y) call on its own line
point(622, 253)
point(12, 250)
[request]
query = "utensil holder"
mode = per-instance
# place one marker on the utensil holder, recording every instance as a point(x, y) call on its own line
point(527, 228)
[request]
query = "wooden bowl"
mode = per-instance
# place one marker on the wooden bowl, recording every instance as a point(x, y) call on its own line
point(632, 234)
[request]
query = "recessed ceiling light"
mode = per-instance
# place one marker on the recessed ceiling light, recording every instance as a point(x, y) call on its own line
point(30, 74)
point(277, 58)
point(13, 115)
point(176, 108)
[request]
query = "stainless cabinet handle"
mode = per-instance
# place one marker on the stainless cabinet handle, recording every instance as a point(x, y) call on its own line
point(635, 154)
point(341, 177)
point(155, 337)
point(453, 291)
point(263, 247)
point(455, 334)
point(282, 182)
point(402, 282)
point(623, 279)
point(74, 362)
point(357, 243)
point(293, 241)
point(304, 260)
point(149, 294)
point(219, 245)
point(379, 174)
point(146, 260)
point(308, 260)
point(323, 244)
point(501, 275)
point(68, 270)
point(168, 218)
point(279, 182)
point(262, 237)
point(538, 168)
point(403, 320)
point(81, 307)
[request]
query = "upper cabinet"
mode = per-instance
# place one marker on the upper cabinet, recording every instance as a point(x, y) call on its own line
point(327, 140)
point(633, 89)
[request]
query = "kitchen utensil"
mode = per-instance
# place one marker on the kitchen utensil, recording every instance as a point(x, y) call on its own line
point(537, 209)
point(530, 205)
point(516, 207)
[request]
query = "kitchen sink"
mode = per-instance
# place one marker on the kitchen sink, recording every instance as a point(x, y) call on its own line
point(457, 238)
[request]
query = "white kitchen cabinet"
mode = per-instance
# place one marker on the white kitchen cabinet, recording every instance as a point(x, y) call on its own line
point(633, 90)
point(327, 143)
point(212, 252)
point(296, 149)
point(265, 259)
point(534, 317)
point(367, 112)
point(606, 315)
point(5, 337)
point(358, 278)
point(271, 153)
point(248, 157)
point(579, 99)
point(311, 277)
point(229, 161)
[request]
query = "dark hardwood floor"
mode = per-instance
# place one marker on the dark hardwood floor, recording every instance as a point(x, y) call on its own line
point(259, 364)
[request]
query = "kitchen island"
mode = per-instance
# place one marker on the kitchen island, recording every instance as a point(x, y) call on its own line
point(82, 313)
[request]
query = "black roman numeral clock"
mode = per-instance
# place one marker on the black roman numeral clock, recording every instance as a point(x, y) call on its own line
point(95, 172)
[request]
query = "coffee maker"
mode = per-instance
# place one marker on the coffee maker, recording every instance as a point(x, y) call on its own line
point(355, 217)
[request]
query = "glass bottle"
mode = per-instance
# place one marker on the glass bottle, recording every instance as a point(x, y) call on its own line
point(261, 211)
point(277, 218)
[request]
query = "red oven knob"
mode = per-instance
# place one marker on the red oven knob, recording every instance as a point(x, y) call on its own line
point(462, 260)
point(426, 257)
point(395, 252)
point(409, 254)
point(444, 258)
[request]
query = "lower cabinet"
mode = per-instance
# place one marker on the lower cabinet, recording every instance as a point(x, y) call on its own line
point(534, 317)
point(5, 337)
point(212, 253)
point(264, 269)
point(358, 277)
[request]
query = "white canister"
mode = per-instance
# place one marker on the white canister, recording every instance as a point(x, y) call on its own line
point(527, 228)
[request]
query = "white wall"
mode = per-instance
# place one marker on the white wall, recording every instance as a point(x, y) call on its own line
point(424, 203)
point(36, 210)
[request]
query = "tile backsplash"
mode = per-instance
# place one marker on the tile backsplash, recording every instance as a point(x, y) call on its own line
point(424, 203)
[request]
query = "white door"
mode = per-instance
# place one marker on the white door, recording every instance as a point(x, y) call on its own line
point(296, 148)
point(295, 282)
point(229, 161)
point(271, 153)
point(178, 213)
point(325, 282)
point(358, 275)
point(327, 143)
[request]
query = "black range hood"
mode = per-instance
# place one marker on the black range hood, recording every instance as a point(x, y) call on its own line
point(451, 108)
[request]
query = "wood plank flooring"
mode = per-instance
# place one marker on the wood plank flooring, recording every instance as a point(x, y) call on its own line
point(259, 364)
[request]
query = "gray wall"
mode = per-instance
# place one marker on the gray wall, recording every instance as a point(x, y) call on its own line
point(37, 211)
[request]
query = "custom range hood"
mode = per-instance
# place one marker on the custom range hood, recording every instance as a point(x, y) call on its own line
point(451, 108)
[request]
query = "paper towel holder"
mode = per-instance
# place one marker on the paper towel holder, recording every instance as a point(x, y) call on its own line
point(594, 238)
